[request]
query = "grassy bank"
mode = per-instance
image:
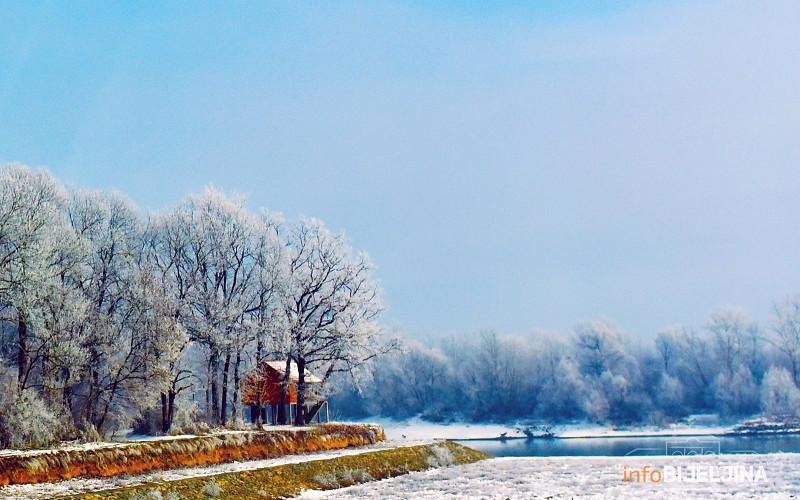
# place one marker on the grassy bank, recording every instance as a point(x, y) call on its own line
point(289, 480)
point(135, 458)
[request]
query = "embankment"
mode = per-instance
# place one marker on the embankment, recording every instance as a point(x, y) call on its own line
point(139, 457)
point(285, 481)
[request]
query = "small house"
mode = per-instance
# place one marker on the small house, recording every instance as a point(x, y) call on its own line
point(267, 380)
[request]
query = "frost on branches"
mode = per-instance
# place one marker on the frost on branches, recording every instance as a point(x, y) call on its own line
point(111, 318)
point(331, 304)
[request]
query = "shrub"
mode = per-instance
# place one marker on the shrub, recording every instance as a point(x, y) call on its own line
point(441, 457)
point(150, 495)
point(780, 396)
point(212, 489)
point(193, 428)
point(328, 479)
point(25, 420)
point(28, 423)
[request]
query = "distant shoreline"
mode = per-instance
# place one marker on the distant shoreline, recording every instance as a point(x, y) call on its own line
point(634, 436)
point(416, 428)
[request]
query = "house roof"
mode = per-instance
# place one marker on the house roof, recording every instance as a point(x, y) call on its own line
point(280, 365)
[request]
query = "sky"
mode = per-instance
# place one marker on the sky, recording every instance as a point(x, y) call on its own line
point(507, 165)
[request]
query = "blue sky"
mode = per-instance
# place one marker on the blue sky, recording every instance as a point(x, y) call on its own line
point(507, 165)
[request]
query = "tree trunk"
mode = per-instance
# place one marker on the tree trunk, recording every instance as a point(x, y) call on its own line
point(300, 420)
point(94, 384)
point(67, 391)
point(208, 400)
point(214, 375)
point(225, 371)
point(22, 354)
point(167, 410)
point(170, 408)
point(259, 380)
point(284, 392)
point(236, 365)
point(101, 422)
point(164, 417)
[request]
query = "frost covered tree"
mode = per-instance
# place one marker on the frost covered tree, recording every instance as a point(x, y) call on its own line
point(211, 254)
point(127, 334)
point(26, 421)
point(171, 284)
point(413, 380)
point(266, 317)
point(695, 367)
point(564, 391)
point(32, 231)
point(737, 394)
point(501, 369)
point(331, 304)
point(40, 308)
point(615, 389)
point(669, 396)
point(786, 334)
point(667, 346)
point(780, 396)
point(735, 340)
point(598, 347)
point(103, 312)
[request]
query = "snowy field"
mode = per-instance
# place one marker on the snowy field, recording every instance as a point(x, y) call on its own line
point(589, 477)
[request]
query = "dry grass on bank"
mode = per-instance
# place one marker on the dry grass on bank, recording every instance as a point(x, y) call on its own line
point(135, 458)
point(289, 480)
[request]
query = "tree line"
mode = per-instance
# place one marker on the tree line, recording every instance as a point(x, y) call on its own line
point(730, 367)
point(109, 315)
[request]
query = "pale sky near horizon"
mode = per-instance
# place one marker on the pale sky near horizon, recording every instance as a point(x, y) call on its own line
point(508, 165)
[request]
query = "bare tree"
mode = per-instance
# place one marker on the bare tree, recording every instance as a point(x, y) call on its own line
point(786, 338)
point(266, 317)
point(32, 230)
point(599, 347)
point(128, 332)
point(667, 345)
point(209, 248)
point(730, 330)
point(331, 304)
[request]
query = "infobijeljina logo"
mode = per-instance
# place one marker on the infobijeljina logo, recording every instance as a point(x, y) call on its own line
point(695, 474)
point(689, 472)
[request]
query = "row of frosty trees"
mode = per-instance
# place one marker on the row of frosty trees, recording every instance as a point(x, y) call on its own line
point(730, 367)
point(108, 313)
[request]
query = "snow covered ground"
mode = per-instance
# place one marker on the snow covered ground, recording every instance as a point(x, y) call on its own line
point(419, 429)
point(589, 477)
point(74, 486)
point(528, 477)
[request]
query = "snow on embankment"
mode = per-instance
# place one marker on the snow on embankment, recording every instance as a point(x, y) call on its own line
point(134, 458)
point(291, 479)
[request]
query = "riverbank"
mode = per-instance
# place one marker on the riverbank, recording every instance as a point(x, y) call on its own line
point(416, 429)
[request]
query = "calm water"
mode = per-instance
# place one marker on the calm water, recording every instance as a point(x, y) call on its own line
point(617, 447)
